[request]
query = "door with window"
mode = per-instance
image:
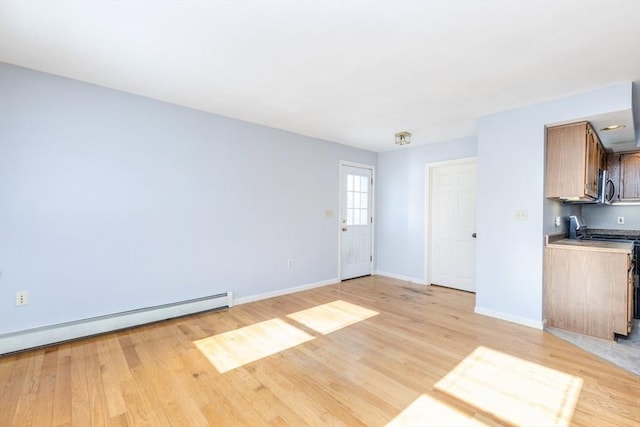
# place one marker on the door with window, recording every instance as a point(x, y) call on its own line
point(356, 217)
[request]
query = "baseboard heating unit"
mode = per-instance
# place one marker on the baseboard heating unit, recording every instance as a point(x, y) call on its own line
point(45, 335)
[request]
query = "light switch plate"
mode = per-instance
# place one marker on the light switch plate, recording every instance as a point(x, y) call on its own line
point(521, 215)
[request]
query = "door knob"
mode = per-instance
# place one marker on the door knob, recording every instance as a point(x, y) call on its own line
point(474, 235)
point(344, 228)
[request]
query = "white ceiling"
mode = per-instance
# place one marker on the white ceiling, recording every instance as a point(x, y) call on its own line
point(351, 72)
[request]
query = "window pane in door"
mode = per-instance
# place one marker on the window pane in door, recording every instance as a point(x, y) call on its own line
point(357, 199)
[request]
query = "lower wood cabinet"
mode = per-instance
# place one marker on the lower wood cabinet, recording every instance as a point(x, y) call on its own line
point(588, 291)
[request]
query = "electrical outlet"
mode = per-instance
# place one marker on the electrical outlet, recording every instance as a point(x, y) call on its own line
point(558, 221)
point(620, 220)
point(22, 298)
point(290, 263)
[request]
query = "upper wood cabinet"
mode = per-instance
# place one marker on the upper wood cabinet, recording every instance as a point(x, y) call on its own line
point(574, 159)
point(630, 177)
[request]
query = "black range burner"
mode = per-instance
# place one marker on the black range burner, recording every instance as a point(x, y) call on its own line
point(597, 236)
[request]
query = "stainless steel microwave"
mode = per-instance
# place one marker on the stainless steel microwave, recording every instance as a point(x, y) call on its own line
point(606, 192)
point(606, 189)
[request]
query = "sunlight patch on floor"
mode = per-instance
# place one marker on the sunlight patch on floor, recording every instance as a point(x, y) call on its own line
point(427, 411)
point(332, 316)
point(235, 348)
point(512, 389)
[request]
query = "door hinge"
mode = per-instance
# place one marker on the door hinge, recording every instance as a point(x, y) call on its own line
point(371, 181)
point(370, 257)
point(371, 220)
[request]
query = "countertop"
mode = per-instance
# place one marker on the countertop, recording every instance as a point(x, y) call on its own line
point(592, 245)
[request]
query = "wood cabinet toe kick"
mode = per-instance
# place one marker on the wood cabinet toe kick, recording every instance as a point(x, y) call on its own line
point(588, 287)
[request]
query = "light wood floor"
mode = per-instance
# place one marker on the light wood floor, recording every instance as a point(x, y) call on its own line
point(405, 354)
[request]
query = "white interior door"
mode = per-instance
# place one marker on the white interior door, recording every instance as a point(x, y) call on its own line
point(355, 222)
point(453, 225)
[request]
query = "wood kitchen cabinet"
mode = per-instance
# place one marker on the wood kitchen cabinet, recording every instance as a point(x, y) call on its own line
point(588, 287)
point(629, 177)
point(573, 162)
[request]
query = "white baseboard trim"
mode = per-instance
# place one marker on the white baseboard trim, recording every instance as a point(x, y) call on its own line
point(258, 297)
point(45, 335)
point(509, 317)
point(400, 277)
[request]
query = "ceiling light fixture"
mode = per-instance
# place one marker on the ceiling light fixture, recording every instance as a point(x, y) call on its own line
point(614, 127)
point(403, 138)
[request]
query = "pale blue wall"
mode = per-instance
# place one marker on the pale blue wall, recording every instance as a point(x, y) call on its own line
point(554, 208)
point(111, 202)
point(510, 177)
point(603, 216)
point(400, 195)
